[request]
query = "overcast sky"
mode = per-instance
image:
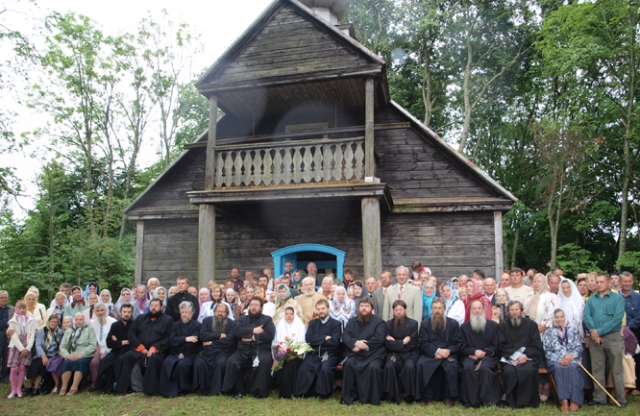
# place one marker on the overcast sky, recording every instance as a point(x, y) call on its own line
point(219, 22)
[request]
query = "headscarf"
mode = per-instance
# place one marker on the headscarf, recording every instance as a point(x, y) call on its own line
point(295, 330)
point(294, 284)
point(454, 295)
point(230, 305)
point(338, 310)
point(109, 304)
point(50, 334)
point(86, 289)
point(141, 303)
point(562, 332)
point(75, 334)
point(73, 300)
point(31, 310)
point(22, 318)
point(426, 300)
point(286, 298)
point(531, 305)
point(363, 294)
point(166, 296)
point(208, 291)
point(572, 306)
point(503, 308)
point(475, 294)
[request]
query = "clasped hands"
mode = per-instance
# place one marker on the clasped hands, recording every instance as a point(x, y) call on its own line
point(478, 355)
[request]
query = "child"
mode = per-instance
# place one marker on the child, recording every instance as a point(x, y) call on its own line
point(23, 328)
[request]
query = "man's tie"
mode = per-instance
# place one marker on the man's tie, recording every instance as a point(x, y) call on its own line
point(400, 292)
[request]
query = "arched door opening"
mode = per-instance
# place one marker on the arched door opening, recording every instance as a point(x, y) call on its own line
point(326, 258)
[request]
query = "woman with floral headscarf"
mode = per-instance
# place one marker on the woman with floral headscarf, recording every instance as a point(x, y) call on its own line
point(341, 307)
point(19, 357)
point(284, 299)
point(126, 296)
point(77, 348)
point(140, 298)
point(105, 297)
point(46, 358)
point(428, 295)
point(474, 292)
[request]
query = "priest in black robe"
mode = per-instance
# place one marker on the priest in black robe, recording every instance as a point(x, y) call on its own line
point(177, 369)
point(249, 368)
point(218, 343)
point(173, 304)
point(362, 371)
point(402, 354)
point(149, 341)
point(521, 348)
point(316, 373)
point(437, 370)
point(480, 379)
point(118, 343)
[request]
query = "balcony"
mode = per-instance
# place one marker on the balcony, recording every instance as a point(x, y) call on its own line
point(300, 162)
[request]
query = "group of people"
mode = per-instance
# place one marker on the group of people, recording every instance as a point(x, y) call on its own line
point(405, 336)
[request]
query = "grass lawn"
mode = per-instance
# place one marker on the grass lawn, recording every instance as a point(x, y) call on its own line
point(137, 404)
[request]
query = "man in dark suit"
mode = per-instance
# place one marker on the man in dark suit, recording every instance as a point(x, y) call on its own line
point(6, 313)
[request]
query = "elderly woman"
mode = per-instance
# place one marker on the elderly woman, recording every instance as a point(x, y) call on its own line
point(428, 295)
point(126, 296)
point(563, 349)
point(502, 300)
point(204, 296)
point(77, 348)
point(474, 292)
point(284, 299)
point(107, 301)
point(208, 308)
point(140, 299)
point(172, 291)
point(342, 308)
point(46, 358)
point(89, 313)
point(290, 329)
point(454, 306)
point(58, 307)
point(161, 293)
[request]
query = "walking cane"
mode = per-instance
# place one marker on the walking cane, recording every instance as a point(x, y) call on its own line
point(599, 385)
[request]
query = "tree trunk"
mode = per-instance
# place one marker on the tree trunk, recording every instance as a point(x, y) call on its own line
point(467, 94)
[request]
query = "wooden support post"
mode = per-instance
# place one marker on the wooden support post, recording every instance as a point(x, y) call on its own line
point(497, 228)
point(369, 143)
point(210, 171)
point(206, 244)
point(139, 251)
point(371, 248)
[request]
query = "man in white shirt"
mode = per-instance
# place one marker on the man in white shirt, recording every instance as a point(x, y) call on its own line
point(518, 291)
point(410, 294)
point(101, 326)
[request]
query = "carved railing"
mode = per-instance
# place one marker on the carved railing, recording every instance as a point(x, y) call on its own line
point(285, 163)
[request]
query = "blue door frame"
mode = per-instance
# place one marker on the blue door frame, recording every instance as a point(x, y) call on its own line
point(283, 255)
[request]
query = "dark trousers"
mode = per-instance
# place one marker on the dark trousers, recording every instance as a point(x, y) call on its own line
point(151, 377)
point(4, 352)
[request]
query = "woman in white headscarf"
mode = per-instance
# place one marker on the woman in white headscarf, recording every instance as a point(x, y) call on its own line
point(105, 297)
point(342, 308)
point(290, 329)
point(125, 297)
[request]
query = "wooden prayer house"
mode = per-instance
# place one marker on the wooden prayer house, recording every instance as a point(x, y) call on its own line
point(312, 160)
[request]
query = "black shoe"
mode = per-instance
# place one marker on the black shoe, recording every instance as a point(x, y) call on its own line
point(623, 405)
point(595, 403)
point(28, 391)
point(35, 392)
point(92, 389)
point(237, 396)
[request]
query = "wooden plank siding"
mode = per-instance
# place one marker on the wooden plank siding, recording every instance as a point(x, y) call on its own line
point(289, 44)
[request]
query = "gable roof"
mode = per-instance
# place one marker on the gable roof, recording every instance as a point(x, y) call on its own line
point(223, 72)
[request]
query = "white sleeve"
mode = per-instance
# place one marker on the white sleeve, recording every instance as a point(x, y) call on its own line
point(457, 311)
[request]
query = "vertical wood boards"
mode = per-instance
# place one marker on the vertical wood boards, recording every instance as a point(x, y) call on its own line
point(210, 167)
point(497, 226)
point(369, 143)
point(139, 251)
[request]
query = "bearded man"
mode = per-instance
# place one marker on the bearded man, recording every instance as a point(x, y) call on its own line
point(437, 371)
point(308, 299)
point(149, 340)
point(218, 343)
point(362, 372)
point(101, 326)
point(118, 344)
point(249, 368)
point(402, 354)
point(316, 373)
point(480, 382)
point(521, 348)
point(176, 374)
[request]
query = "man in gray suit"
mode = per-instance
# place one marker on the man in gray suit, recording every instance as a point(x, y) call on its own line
point(6, 313)
point(410, 294)
point(379, 294)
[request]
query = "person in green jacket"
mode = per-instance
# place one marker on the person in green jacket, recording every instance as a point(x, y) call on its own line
point(77, 348)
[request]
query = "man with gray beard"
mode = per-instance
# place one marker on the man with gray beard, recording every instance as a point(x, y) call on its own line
point(480, 383)
point(437, 370)
point(521, 348)
point(218, 343)
point(101, 326)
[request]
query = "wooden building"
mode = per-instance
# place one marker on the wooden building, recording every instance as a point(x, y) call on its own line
point(312, 160)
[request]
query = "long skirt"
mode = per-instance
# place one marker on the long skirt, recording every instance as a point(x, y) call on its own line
point(81, 365)
point(287, 377)
point(569, 382)
point(56, 365)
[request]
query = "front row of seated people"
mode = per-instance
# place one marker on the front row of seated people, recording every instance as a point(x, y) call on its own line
point(436, 360)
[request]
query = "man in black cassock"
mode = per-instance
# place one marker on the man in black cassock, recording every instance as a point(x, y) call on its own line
point(437, 370)
point(218, 343)
point(480, 382)
point(118, 343)
point(249, 368)
point(149, 341)
point(520, 345)
point(402, 354)
point(362, 372)
point(173, 304)
point(177, 369)
point(316, 373)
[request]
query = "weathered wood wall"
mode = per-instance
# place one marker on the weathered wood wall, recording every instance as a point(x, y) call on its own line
point(170, 250)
